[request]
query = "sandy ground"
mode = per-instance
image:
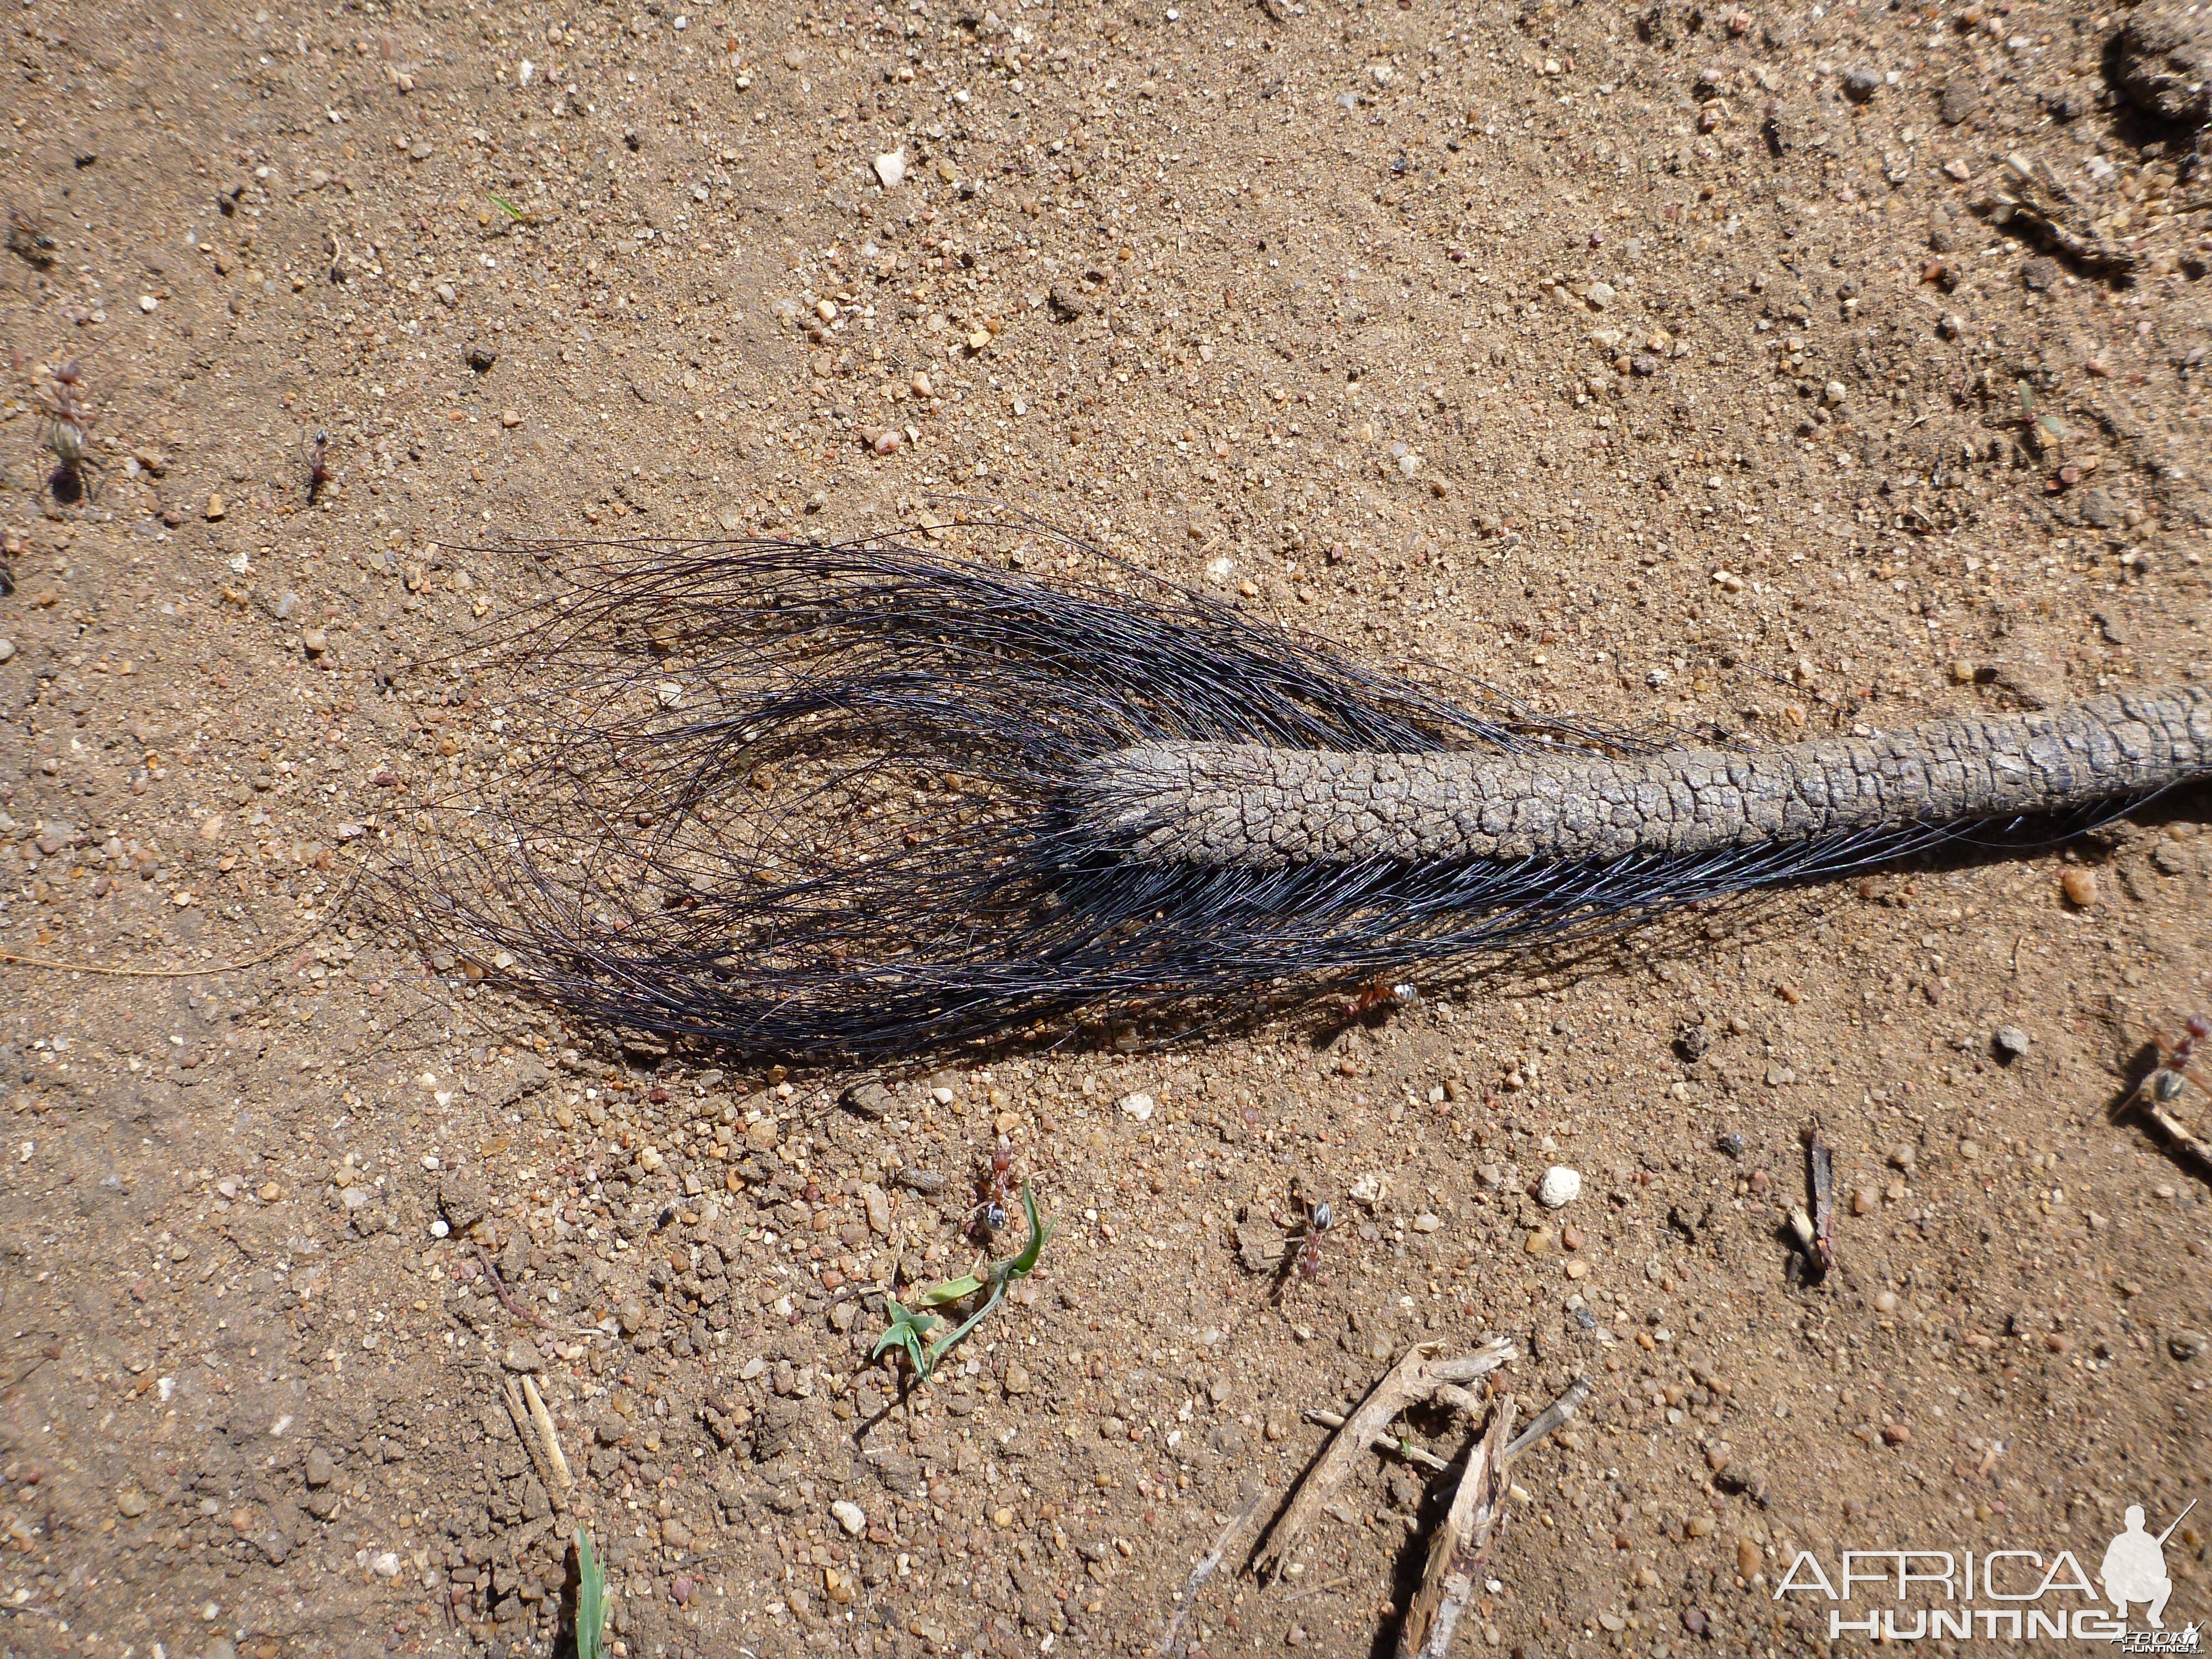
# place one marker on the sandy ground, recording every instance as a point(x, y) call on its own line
point(1763, 370)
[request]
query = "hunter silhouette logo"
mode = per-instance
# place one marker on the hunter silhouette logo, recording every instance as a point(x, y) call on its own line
point(2135, 1567)
point(2014, 1595)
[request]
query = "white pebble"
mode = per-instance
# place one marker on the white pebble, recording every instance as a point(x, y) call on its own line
point(1137, 1106)
point(891, 169)
point(850, 1516)
point(1559, 1187)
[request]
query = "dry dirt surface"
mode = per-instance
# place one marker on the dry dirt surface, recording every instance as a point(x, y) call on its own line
point(1750, 370)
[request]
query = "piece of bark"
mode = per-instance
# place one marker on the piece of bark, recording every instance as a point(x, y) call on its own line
point(1456, 1553)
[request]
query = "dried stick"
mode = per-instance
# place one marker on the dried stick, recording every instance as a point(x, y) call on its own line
point(1232, 1538)
point(544, 1421)
point(1412, 1380)
point(1397, 1445)
point(1456, 1554)
point(2176, 1137)
point(556, 1488)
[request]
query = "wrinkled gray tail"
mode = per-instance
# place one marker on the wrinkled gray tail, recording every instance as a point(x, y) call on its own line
point(865, 800)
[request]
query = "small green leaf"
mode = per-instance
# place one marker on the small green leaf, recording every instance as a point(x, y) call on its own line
point(998, 1291)
point(591, 1601)
point(1039, 1230)
point(909, 1330)
point(951, 1291)
point(508, 208)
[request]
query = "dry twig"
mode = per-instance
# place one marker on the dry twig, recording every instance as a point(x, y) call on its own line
point(1413, 1380)
point(545, 1453)
point(1816, 1233)
point(1396, 1445)
point(542, 1419)
point(1456, 1553)
point(1232, 1539)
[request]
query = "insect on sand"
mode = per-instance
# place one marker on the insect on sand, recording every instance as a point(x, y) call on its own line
point(318, 465)
point(1381, 997)
point(1316, 1218)
point(2165, 1082)
point(65, 417)
point(996, 1189)
point(28, 238)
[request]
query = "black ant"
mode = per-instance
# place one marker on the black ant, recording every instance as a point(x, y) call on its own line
point(997, 1188)
point(318, 465)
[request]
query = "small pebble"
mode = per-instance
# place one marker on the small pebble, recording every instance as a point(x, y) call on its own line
point(1861, 84)
point(1137, 1106)
point(1559, 1187)
point(1538, 1241)
point(2080, 887)
point(7, 649)
point(890, 167)
point(2011, 1041)
point(511, 417)
point(1885, 1302)
point(481, 358)
point(1861, 1201)
point(1693, 1620)
point(216, 509)
point(850, 1516)
point(2187, 1345)
point(131, 1502)
point(1896, 1434)
point(314, 641)
point(1732, 1143)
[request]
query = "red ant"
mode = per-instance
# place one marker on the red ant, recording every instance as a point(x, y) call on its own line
point(2174, 1058)
point(998, 1190)
point(1382, 995)
point(1313, 1228)
point(2174, 1073)
point(318, 465)
point(67, 417)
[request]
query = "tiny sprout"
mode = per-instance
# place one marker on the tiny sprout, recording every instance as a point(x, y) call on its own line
point(910, 1327)
point(591, 1601)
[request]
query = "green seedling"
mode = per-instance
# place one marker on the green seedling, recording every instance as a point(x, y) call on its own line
point(591, 1601)
point(911, 1326)
point(509, 208)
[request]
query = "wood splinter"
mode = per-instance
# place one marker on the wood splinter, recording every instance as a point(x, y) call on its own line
point(1453, 1576)
point(1454, 1573)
